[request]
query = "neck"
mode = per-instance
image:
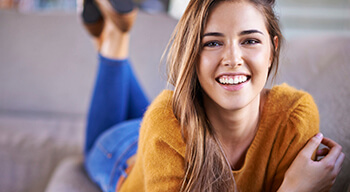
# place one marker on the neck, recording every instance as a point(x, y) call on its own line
point(236, 125)
point(236, 129)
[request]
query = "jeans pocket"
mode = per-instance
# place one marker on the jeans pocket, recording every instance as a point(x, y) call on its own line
point(114, 141)
point(110, 153)
point(120, 165)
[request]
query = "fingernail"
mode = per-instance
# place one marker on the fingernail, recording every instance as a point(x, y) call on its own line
point(319, 135)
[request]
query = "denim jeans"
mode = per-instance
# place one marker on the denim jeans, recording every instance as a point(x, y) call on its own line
point(113, 123)
point(106, 161)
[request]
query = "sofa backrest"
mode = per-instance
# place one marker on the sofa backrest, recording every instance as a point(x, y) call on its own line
point(48, 63)
point(320, 65)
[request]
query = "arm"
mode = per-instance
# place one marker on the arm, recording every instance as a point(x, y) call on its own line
point(306, 175)
point(302, 124)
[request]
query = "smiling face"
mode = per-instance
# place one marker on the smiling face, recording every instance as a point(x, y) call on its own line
point(235, 56)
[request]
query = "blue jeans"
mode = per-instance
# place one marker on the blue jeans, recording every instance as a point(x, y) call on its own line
point(113, 122)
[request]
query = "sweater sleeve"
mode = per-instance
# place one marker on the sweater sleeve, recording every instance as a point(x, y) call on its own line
point(302, 124)
point(163, 168)
point(162, 149)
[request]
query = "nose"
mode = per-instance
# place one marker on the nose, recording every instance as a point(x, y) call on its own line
point(232, 56)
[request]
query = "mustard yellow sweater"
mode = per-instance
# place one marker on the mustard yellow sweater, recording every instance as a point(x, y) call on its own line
point(289, 119)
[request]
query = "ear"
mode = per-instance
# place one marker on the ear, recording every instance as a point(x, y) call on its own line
point(275, 42)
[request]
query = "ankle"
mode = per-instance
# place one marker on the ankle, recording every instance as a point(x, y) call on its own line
point(114, 43)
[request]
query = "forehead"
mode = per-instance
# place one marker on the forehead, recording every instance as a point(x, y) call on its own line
point(235, 16)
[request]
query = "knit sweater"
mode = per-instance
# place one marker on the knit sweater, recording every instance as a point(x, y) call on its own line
point(289, 119)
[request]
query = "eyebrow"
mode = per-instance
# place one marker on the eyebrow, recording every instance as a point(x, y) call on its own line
point(246, 32)
point(214, 34)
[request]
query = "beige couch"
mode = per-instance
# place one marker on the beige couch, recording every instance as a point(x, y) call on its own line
point(47, 69)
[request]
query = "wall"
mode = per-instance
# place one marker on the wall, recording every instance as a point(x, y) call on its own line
point(300, 17)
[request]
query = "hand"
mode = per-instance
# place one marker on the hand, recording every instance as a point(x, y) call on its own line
point(306, 175)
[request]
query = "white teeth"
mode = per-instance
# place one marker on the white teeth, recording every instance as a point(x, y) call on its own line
point(233, 80)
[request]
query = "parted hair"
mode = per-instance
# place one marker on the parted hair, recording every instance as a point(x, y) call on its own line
point(206, 167)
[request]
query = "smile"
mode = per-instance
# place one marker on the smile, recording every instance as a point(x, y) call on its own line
point(232, 80)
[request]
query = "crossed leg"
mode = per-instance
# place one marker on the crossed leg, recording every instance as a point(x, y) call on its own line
point(118, 101)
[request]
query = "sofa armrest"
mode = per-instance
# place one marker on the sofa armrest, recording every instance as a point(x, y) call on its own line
point(31, 146)
point(70, 176)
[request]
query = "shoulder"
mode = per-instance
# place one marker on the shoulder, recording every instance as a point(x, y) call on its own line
point(161, 107)
point(160, 125)
point(284, 98)
point(291, 112)
point(160, 113)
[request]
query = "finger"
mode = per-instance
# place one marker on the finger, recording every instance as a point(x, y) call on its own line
point(329, 142)
point(334, 151)
point(312, 144)
point(339, 162)
point(322, 152)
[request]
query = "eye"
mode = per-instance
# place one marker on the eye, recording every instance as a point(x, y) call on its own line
point(251, 42)
point(212, 44)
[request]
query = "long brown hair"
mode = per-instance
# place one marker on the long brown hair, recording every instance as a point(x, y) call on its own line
point(207, 168)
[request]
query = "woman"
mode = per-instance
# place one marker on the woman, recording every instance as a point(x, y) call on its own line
point(219, 130)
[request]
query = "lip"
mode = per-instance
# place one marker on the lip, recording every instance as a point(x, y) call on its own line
point(233, 87)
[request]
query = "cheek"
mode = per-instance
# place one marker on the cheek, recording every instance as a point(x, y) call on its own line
point(207, 63)
point(261, 60)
